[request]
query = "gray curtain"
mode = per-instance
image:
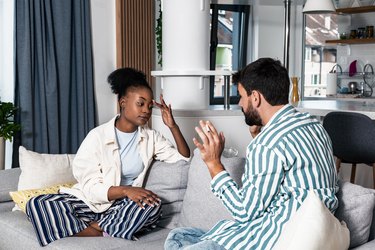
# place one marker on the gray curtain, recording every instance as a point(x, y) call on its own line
point(54, 75)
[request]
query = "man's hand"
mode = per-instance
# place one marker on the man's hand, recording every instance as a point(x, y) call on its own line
point(211, 147)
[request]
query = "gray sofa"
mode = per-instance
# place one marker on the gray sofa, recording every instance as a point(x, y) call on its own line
point(187, 201)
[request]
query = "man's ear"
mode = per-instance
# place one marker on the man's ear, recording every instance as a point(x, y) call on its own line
point(255, 98)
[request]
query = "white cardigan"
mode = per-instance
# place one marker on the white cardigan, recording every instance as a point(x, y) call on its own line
point(97, 164)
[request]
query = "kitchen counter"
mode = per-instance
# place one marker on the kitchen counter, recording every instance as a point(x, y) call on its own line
point(323, 107)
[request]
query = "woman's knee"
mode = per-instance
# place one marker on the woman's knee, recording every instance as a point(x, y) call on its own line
point(34, 203)
point(39, 203)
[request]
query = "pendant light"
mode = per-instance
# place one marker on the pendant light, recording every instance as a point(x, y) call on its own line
point(318, 7)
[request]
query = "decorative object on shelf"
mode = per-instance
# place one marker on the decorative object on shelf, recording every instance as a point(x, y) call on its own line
point(343, 36)
point(369, 31)
point(353, 68)
point(353, 34)
point(318, 6)
point(332, 85)
point(353, 86)
point(294, 96)
point(7, 127)
point(361, 32)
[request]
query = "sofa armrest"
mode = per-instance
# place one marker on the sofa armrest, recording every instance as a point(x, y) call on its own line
point(367, 246)
point(8, 182)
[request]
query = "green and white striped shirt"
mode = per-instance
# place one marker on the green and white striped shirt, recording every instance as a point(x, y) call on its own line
point(292, 155)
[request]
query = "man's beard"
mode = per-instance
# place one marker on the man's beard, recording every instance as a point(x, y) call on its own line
point(252, 117)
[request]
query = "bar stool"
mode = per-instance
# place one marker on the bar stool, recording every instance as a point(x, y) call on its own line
point(353, 139)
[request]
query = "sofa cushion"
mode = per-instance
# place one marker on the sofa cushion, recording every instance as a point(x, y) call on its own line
point(6, 206)
point(372, 230)
point(9, 180)
point(312, 227)
point(356, 205)
point(201, 208)
point(17, 233)
point(21, 197)
point(43, 170)
point(169, 181)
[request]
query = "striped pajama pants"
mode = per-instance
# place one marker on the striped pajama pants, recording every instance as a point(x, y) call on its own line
point(55, 216)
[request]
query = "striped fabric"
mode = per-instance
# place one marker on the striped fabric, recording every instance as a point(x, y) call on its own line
point(55, 216)
point(291, 155)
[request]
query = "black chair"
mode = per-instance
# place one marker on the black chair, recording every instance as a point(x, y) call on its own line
point(353, 139)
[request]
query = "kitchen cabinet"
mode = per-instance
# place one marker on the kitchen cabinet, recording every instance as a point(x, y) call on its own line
point(354, 10)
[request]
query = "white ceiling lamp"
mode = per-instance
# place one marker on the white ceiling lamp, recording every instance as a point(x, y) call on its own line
point(318, 7)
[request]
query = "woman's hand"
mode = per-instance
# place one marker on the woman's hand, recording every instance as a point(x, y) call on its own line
point(140, 195)
point(166, 112)
point(137, 194)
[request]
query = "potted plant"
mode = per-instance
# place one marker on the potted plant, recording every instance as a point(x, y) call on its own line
point(7, 127)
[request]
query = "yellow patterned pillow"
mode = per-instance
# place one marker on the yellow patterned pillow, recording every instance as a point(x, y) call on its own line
point(23, 196)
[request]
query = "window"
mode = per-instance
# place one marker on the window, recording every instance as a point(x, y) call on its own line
point(319, 57)
point(228, 46)
point(6, 50)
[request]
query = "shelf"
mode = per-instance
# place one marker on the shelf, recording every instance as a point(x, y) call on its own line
point(345, 75)
point(352, 41)
point(356, 10)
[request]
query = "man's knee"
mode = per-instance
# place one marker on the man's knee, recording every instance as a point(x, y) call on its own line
point(183, 236)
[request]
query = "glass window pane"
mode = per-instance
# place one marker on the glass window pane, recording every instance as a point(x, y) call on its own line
point(319, 56)
point(224, 49)
point(228, 46)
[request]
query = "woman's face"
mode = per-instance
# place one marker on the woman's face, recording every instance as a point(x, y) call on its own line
point(136, 106)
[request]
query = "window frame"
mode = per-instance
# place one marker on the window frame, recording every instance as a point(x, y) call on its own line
point(243, 44)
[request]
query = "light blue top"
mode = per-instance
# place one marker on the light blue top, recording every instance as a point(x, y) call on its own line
point(291, 155)
point(131, 162)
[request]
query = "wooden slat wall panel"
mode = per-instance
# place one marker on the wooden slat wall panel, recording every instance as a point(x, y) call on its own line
point(135, 35)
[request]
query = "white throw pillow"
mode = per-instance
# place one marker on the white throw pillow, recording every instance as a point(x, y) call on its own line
point(43, 170)
point(313, 227)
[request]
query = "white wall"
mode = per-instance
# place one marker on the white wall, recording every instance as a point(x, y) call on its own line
point(268, 31)
point(268, 34)
point(104, 49)
point(231, 122)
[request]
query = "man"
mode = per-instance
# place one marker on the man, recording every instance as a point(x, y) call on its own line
point(291, 155)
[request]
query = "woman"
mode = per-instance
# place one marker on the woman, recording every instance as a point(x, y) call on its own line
point(110, 168)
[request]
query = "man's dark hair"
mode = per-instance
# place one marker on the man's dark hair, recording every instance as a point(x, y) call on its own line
point(267, 76)
point(123, 79)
